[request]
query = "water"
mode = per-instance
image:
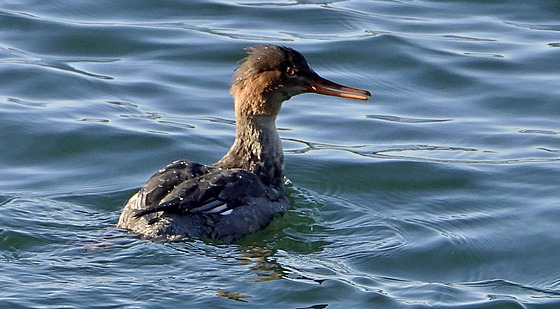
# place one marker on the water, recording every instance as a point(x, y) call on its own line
point(441, 191)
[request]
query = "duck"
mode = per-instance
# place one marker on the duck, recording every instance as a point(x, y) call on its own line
point(245, 190)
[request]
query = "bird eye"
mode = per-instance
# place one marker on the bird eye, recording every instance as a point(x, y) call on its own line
point(291, 71)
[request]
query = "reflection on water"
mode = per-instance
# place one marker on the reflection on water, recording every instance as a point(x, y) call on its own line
point(262, 263)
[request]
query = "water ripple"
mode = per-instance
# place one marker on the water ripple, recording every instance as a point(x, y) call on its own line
point(64, 64)
point(435, 208)
point(539, 27)
point(406, 120)
point(26, 102)
point(396, 153)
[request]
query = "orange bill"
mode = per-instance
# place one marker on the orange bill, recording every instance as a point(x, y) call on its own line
point(326, 87)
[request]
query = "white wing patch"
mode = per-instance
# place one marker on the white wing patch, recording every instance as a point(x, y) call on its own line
point(214, 207)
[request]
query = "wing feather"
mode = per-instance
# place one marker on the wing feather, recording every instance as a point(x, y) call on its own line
point(185, 187)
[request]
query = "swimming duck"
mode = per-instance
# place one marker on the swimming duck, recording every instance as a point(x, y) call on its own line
point(244, 190)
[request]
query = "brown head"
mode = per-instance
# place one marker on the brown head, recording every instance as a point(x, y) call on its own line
point(271, 74)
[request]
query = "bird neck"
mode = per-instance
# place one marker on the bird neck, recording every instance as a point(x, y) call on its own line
point(257, 148)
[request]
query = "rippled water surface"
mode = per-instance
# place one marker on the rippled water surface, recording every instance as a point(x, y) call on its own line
point(441, 191)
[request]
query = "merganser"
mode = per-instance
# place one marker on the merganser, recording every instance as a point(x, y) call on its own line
point(244, 190)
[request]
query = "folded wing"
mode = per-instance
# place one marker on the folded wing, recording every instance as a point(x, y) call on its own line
point(186, 187)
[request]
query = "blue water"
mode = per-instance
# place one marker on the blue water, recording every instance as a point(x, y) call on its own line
point(441, 191)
